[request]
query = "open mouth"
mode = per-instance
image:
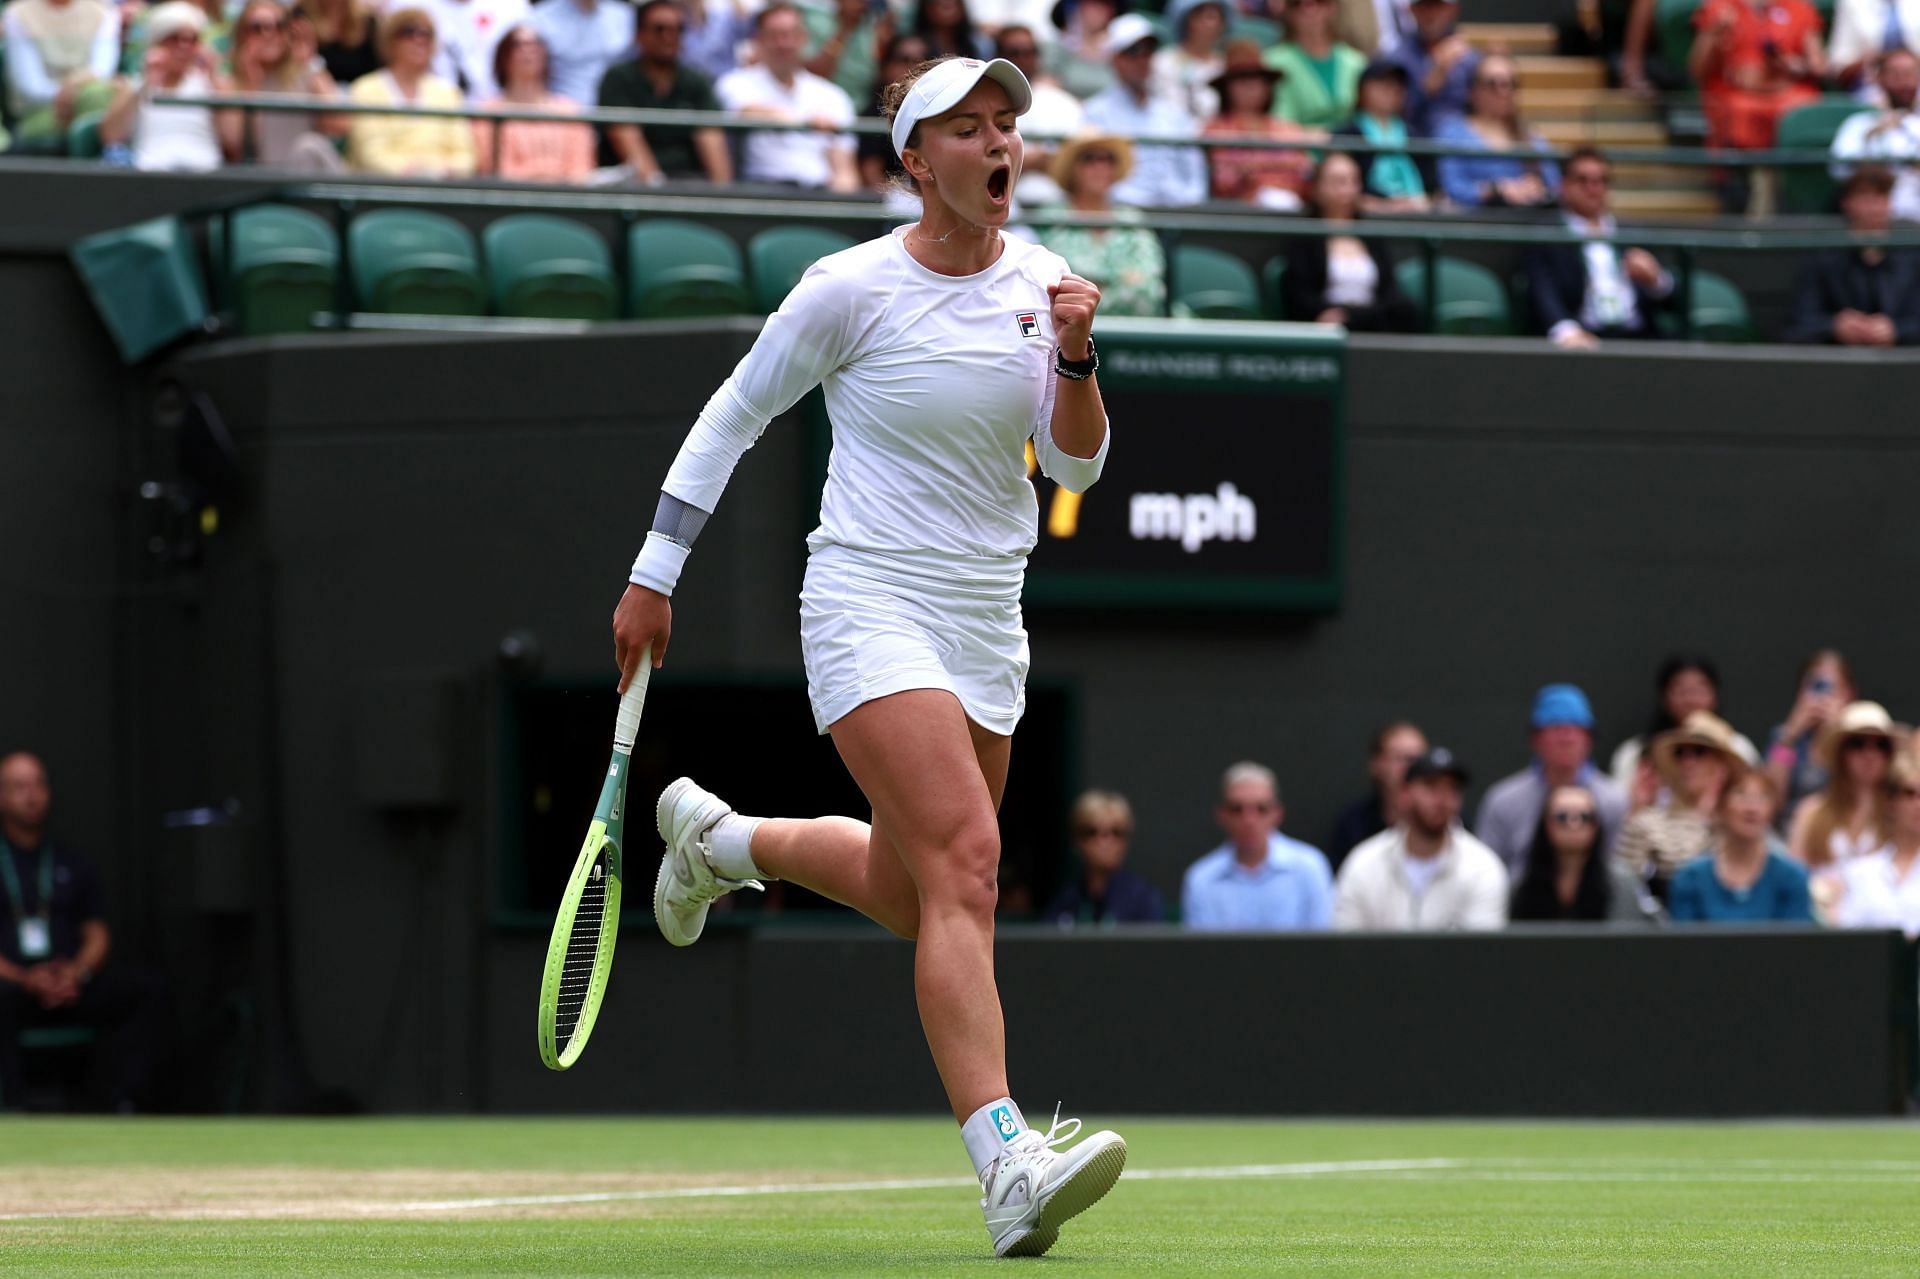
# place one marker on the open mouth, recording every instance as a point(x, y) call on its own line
point(997, 183)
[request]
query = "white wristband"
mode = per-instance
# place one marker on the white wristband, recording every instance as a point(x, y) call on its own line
point(659, 564)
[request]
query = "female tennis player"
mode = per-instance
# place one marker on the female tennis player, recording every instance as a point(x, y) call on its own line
point(944, 348)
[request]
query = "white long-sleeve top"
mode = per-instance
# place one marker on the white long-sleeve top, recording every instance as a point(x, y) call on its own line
point(934, 384)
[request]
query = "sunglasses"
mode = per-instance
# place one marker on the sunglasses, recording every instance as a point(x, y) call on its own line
point(1260, 806)
point(1096, 157)
point(1880, 744)
point(665, 28)
point(1903, 792)
point(1690, 751)
point(1575, 817)
point(271, 26)
point(1098, 832)
point(182, 39)
point(1021, 51)
point(1501, 83)
point(1591, 179)
point(411, 32)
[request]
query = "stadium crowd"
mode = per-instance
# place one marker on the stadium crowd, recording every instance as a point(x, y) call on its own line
point(1688, 823)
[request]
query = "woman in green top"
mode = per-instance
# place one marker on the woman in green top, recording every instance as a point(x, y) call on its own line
point(1323, 75)
point(1125, 261)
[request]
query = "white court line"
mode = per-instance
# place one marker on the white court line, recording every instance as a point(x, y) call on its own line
point(1238, 1172)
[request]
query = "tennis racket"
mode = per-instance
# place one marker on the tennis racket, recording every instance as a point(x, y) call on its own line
point(580, 953)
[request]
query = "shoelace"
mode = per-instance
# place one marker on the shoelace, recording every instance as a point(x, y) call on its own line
point(1053, 1136)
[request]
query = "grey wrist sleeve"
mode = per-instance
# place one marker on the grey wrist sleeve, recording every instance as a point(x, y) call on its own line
point(678, 521)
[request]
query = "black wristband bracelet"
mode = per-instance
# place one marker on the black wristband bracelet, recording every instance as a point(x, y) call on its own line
point(1078, 370)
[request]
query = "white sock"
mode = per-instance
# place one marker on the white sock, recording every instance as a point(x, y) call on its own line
point(989, 1129)
point(731, 842)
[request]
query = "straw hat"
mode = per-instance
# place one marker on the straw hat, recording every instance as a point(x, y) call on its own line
point(1702, 728)
point(1859, 719)
point(1069, 155)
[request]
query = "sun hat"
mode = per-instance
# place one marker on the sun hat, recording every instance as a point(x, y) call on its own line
point(1859, 719)
point(940, 91)
point(1701, 728)
point(173, 17)
point(1069, 155)
point(1128, 30)
point(1243, 57)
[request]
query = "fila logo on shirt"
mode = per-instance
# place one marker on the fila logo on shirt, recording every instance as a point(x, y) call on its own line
point(1029, 324)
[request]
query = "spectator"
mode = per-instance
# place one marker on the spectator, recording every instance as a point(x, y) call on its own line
point(408, 146)
point(1394, 747)
point(1257, 175)
point(1746, 876)
point(1395, 181)
point(1889, 135)
point(713, 35)
point(349, 37)
point(134, 36)
point(1055, 114)
point(993, 18)
point(584, 38)
point(1105, 892)
point(947, 28)
point(1694, 760)
point(1685, 683)
point(1866, 295)
point(1186, 70)
point(467, 32)
point(1882, 890)
point(1439, 64)
point(846, 40)
point(777, 88)
point(1080, 57)
point(1342, 278)
point(1583, 293)
point(1848, 817)
point(1322, 82)
point(1493, 125)
point(265, 60)
point(1562, 742)
point(1162, 175)
point(54, 946)
point(1371, 26)
point(1568, 879)
point(171, 139)
point(1754, 60)
point(1866, 35)
point(1259, 879)
point(657, 78)
point(526, 150)
point(879, 166)
point(1125, 261)
point(1426, 873)
point(1826, 686)
point(61, 56)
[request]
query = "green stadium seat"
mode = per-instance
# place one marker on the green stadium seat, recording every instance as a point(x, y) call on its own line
point(1263, 31)
point(83, 136)
point(778, 257)
point(407, 262)
point(1472, 301)
point(282, 269)
point(549, 268)
point(1273, 279)
point(1809, 189)
point(1719, 311)
point(146, 284)
point(1211, 285)
point(679, 269)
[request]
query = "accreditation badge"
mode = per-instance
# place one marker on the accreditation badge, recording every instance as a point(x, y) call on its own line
point(36, 940)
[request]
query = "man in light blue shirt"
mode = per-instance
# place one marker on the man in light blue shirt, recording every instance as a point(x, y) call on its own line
point(584, 38)
point(1259, 880)
point(1162, 175)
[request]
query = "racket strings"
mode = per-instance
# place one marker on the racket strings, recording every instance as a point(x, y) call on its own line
point(583, 949)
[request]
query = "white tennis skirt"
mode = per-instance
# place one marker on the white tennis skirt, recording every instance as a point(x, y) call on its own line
point(872, 626)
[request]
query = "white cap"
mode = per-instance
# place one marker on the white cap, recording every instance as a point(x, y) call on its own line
point(173, 17)
point(940, 91)
point(1128, 30)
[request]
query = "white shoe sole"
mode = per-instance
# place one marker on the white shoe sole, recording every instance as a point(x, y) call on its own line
point(672, 833)
point(1087, 1185)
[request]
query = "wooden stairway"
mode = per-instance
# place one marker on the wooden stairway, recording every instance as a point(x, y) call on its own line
point(1567, 100)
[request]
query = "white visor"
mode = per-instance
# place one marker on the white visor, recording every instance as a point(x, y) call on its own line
point(940, 91)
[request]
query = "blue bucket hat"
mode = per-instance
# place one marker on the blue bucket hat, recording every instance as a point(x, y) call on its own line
point(1562, 704)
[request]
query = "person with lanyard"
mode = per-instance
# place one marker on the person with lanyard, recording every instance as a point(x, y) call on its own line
point(945, 350)
point(54, 944)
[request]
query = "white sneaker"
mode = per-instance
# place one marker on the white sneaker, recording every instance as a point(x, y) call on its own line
point(686, 885)
point(1032, 1188)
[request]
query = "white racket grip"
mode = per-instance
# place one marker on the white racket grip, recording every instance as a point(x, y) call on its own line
point(626, 725)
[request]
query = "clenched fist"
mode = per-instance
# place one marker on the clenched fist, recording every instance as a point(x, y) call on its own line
point(1074, 301)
